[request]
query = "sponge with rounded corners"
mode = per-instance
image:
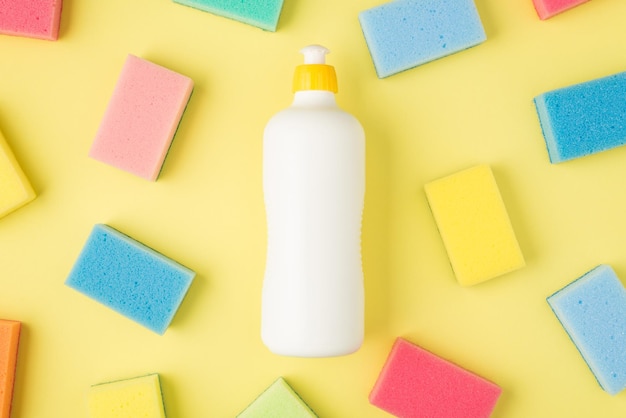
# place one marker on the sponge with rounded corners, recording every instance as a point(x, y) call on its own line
point(584, 118)
point(474, 225)
point(263, 14)
point(9, 342)
point(278, 400)
point(592, 310)
point(16, 189)
point(129, 398)
point(142, 117)
point(403, 34)
point(548, 8)
point(415, 383)
point(31, 18)
point(130, 278)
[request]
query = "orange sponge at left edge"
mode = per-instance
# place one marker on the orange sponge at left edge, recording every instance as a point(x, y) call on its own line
point(9, 339)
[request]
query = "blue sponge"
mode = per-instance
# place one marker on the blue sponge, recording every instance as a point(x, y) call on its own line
point(130, 278)
point(584, 118)
point(403, 34)
point(592, 310)
point(260, 13)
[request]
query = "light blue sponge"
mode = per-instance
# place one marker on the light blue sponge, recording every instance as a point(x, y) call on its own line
point(403, 34)
point(130, 278)
point(584, 118)
point(592, 310)
point(260, 13)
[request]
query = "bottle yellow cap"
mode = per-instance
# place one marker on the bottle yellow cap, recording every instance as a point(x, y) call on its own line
point(314, 74)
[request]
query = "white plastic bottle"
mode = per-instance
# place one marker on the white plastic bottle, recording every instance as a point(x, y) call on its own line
point(314, 186)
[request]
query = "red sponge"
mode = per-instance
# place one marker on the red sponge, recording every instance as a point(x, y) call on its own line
point(31, 18)
point(415, 383)
point(548, 8)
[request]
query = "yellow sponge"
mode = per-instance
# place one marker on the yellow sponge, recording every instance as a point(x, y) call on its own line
point(130, 398)
point(474, 225)
point(16, 190)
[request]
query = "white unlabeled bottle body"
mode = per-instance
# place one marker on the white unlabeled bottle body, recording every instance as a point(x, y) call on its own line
point(314, 187)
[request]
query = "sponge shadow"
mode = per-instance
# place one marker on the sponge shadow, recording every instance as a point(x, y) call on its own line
point(286, 15)
point(190, 302)
point(486, 17)
point(19, 396)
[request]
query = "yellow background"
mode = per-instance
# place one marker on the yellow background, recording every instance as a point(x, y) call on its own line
point(206, 210)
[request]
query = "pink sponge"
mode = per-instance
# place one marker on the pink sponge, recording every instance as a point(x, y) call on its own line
point(142, 117)
point(31, 18)
point(548, 8)
point(415, 383)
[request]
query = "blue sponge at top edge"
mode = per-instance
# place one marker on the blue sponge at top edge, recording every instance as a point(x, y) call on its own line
point(403, 34)
point(263, 14)
point(592, 310)
point(584, 118)
point(130, 278)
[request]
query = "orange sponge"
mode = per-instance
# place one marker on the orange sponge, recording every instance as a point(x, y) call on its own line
point(9, 339)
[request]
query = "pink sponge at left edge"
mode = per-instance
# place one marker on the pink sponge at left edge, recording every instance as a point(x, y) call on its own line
point(142, 117)
point(415, 383)
point(31, 18)
point(548, 8)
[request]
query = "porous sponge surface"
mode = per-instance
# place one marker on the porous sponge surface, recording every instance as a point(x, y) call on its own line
point(592, 311)
point(16, 189)
point(263, 14)
point(31, 18)
point(474, 225)
point(139, 397)
point(130, 278)
point(415, 383)
point(278, 400)
point(9, 342)
point(548, 8)
point(403, 34)
point(142, 117)
point(585, 118)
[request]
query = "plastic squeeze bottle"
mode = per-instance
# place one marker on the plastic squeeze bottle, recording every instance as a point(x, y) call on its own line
point(314, 186)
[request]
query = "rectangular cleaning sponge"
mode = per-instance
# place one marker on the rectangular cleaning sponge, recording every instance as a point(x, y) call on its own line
point(263, 14)
point(474, 225)
point(9, 342)
point(31, 18)
point(403, 34)
point(130, 278)
point(142, 117)
point(16, 189)
point(592, 309)
point(278, 400)
point(415, 383)
point(548, 8)
point(585, 118)
point(130, 398)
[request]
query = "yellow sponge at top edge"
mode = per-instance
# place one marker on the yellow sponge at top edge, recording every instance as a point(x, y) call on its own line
point(474, 225)
point(130, 398)
point(15, 188)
